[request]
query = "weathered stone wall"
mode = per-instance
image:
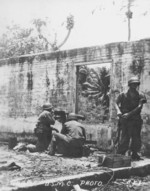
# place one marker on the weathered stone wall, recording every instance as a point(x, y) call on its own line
point(134, 60)
point(27, 82)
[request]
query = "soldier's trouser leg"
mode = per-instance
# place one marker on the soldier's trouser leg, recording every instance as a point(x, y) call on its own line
point(42, 142)
point(59, 141)
point(131, 131)
point(66, 145)
point(125, 137)
point(76, 147)
point(39, 146)
point(136, 135)
point(69, 146)
point(48, 138)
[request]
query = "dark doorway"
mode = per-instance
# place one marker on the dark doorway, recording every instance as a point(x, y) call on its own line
point(93, 91)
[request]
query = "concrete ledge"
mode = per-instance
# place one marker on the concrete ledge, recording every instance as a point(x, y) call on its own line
point(86, 180)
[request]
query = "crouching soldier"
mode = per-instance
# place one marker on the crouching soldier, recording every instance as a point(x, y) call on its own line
point(71, 139)
point(44, 128)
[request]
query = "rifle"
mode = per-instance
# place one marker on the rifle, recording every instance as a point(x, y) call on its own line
point(118, 133)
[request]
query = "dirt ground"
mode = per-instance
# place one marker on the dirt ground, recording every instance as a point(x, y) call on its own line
point(132, 184)
point(40, 166)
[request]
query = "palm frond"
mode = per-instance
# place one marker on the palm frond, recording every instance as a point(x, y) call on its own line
point(88, 85)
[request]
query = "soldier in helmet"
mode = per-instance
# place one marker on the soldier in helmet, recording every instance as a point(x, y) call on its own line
point(44, 128)
point(71, 139)
point(82, 77)
point(129, 106)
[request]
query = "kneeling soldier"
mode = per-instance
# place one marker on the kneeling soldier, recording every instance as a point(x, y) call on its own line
point(71, 139)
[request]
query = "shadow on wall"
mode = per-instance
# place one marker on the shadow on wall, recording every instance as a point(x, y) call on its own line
point(30, 80)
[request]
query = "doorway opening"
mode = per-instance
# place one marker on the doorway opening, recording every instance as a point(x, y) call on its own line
point(93, 91)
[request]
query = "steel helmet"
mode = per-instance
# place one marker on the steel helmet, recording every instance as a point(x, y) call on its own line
point(72, 116)
point(83, 71)
point(134, 80)
point(47, 106)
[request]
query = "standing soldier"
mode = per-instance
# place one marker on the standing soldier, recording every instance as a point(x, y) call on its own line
point(129, 106)
point(44, 127)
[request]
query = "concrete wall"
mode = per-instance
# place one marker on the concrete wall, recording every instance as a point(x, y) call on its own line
point(29, 81)
point(134, 59)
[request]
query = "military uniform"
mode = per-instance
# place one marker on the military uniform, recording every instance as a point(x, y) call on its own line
point(71, 139)
point(43, 129)
point(130, 126)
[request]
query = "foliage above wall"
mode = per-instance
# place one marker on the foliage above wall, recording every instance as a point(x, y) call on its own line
point(17, 40)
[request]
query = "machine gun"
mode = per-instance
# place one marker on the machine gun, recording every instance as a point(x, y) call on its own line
point(60, 114)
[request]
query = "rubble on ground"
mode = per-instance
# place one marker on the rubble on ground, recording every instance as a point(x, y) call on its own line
point(40, 166)
point(132, 184)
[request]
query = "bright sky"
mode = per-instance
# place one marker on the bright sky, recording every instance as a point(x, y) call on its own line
point(97, 22)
